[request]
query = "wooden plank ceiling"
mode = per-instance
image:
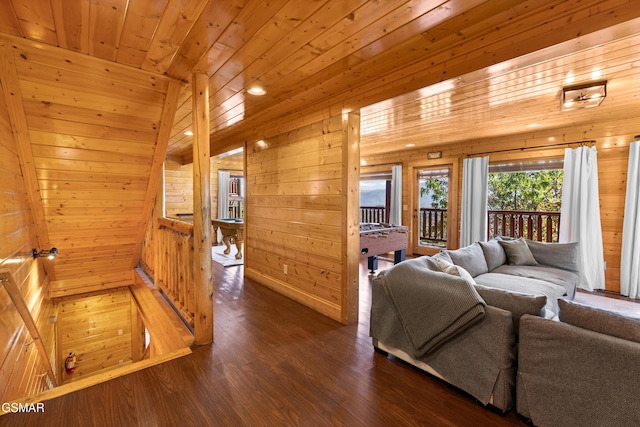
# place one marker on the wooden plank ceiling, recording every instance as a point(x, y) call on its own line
point(100, 98)
point(308, 55)
point(517, 97)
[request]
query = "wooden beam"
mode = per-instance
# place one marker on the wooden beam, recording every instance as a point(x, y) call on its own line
point(14, 293)
point(166, 122)
point(15, 106)
point(202, 267)
point(351, 216)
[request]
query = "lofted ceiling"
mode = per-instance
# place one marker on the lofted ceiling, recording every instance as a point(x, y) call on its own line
point(310, 56)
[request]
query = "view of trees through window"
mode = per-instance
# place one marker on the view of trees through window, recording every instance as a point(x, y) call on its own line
point(525, 191)
point(523, 199)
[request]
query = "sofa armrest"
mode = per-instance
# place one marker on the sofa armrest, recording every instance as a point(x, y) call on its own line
point(572, 376)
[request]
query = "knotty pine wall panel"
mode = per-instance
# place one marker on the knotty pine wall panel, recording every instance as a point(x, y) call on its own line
point(20, 366)
point(93, 132)
point(294, 215)
point(97, 328)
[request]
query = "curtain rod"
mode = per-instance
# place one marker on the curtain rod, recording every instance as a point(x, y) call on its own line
point(537, 147)
point(383, 164)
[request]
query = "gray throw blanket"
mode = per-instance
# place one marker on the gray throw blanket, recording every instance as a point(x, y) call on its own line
point(432, 306)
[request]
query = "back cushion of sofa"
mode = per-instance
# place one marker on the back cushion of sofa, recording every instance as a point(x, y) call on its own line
point(559, 255)
point(493, 254)
point(471, 258)
point(518, 304)
point(599, 320)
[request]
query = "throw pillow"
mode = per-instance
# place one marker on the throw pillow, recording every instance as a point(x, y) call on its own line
point(493, 254)
point(518, 252)
point(471, 258)
point(443, 255)
point(559, 255)
point(599, 320)
point(454, 270)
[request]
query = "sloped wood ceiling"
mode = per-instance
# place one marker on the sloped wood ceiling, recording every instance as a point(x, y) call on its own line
point(310, 55)
point(91, 135)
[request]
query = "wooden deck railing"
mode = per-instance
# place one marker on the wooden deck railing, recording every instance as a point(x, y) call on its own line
point(540, 226)
point(174, 265)
point(433, 225)
point(372, 214)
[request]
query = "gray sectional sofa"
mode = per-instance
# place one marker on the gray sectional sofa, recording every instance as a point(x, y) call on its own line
point(582, 370)
point(509, 278)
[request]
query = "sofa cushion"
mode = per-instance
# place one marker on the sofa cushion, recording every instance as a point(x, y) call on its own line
point(518, 252)
point(559, 255)
point(524, 285)
point(599, 320)
point(493, 254)
point(515, 302)
point(564, 278)
point(471, 258)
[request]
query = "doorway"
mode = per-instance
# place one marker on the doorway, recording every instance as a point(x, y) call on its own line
point(432, 209)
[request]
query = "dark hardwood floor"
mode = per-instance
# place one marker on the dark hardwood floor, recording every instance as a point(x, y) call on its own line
point(274, 362)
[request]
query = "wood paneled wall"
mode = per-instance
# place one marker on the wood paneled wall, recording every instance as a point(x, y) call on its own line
point(296, 207)
point(20, 367)
point(99, 329)
point(612, 143)
point(88, 137)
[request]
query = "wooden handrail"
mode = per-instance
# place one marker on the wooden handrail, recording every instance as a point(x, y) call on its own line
point(176, 225)
point(10, 285)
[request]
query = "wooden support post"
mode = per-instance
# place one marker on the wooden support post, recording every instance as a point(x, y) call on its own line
point(203, 319)
point(10, 285)
point(351, 215)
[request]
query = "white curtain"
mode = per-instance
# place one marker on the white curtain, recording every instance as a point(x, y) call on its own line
point(580, 214)
point(629, 266)
point(475, 181)
point(223, 199)
point(223, 194)
point(395, 211)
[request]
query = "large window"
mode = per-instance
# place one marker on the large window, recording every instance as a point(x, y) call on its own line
point(524, 199)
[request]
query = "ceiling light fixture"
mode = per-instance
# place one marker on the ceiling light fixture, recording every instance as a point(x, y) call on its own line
point(585, 95)
point(256, 90)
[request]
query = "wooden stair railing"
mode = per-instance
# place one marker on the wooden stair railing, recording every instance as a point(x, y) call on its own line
point(6, 279)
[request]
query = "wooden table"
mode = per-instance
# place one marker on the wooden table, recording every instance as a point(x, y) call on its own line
point(232, 230)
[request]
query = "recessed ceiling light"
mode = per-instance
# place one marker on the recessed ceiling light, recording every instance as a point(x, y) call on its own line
point(188, 133)
point(410, 145)
point(256, 90)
